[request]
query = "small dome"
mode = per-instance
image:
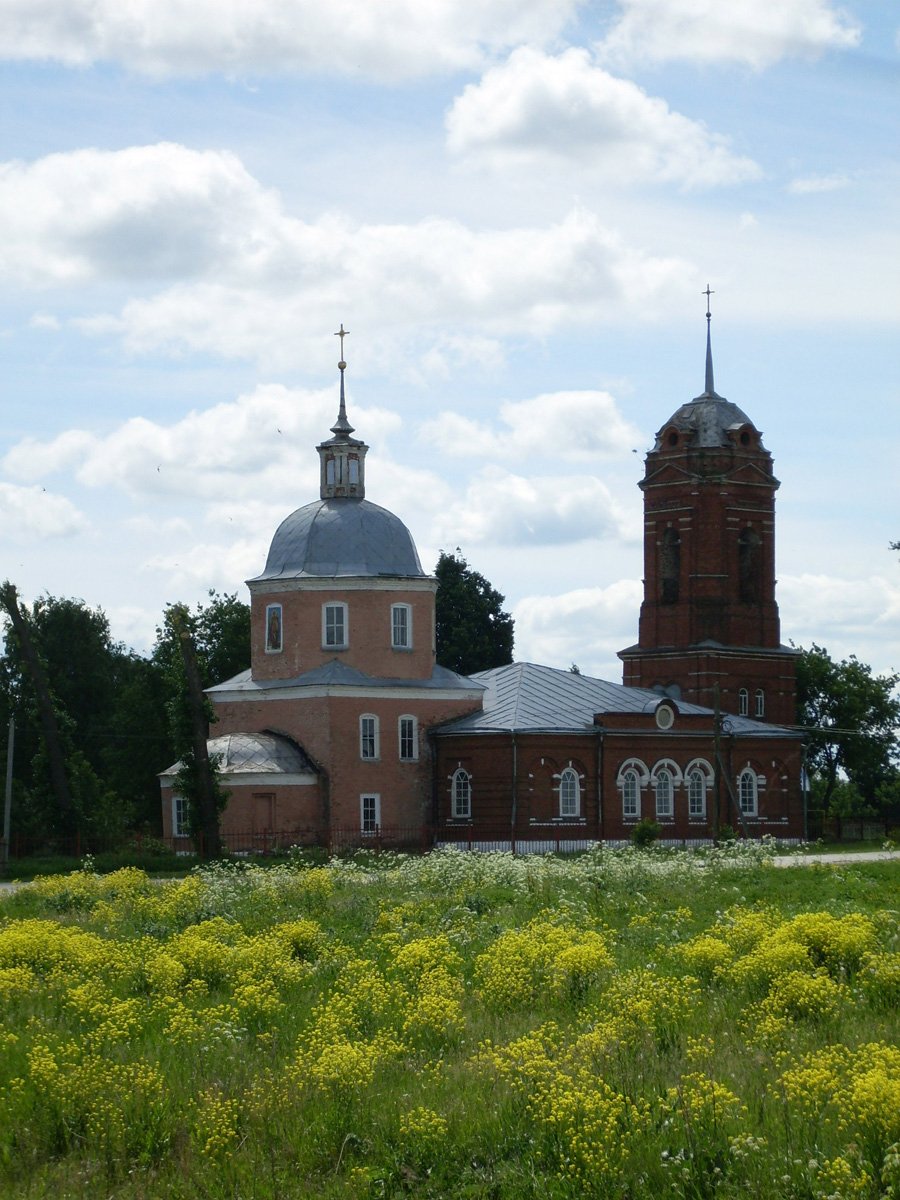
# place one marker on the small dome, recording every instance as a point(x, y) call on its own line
point(707, 420)
point(338, 537)
point(255, 753)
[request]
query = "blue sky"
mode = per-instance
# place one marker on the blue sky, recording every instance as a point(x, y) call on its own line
point(514, 208)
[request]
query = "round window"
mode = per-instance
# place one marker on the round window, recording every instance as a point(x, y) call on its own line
point(665, 717)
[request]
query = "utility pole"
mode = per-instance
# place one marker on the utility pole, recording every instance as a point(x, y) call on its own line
point(7, 802)
point(717, 763)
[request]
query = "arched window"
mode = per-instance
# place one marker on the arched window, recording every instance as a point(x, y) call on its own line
point(670, 566)
point(569, 793)
point(760, 703)
point(408, 738)
point(696, 782)
point(461, 793)
point(749, 566)
point(631, 795)
point(748, 791)
point(664, 794)
point(368, 736)
point(743, 702)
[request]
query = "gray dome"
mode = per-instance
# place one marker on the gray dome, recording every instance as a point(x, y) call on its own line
point(341, 536)
point(708, 418)
point(255, 753)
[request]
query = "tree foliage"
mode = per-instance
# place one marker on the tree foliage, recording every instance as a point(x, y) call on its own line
point(852, 716)
point(116, 713)
point(473, 633)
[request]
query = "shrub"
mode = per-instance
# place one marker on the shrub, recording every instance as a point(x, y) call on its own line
point(645, 833)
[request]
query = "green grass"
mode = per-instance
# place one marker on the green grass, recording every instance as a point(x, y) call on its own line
point(619, 1024)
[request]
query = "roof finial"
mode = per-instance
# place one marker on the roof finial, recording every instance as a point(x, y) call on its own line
point(342, 425)
point(710, 386)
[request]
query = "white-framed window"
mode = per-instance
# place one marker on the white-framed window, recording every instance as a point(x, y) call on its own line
point(274, 629)
point(408, 738)
point(569, 793)
point(631, 777)
point(181, 817)
point(401, 627)
point(631, 795)
point(748, 792)
point(334, 626)
point(368, 736)
point(370, 813)
point(696, 784)
point(665, 792)
point(461, 793)
point(743, 702)
point(760, 707)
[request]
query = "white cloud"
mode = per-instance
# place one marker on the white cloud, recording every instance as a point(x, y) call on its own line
point(563, 108)
point(586, 626)
point(576, 425)
point(27, 513)
point(259, 444)
point(390, 40)
point(743, 31)
point(501, 508)
point(817, 183)
point(225, 270)
point(814, 607)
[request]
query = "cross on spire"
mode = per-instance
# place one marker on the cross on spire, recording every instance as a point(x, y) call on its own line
point(342, 333)
point(710, 385)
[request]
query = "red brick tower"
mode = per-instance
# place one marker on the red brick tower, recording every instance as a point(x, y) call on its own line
point(709, 615)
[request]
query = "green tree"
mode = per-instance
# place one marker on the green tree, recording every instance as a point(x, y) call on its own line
point(58, 674)
point(852, 718)
point(473, 633)
point(195, 650)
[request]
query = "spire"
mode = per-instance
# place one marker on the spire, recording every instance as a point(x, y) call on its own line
point(342, 427)
point(342, 458)
point(710, 389)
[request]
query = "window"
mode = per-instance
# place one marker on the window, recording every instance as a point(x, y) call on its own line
point(408, 737)
point(696, 793)
point(663, 793)
point(181, 818)
point(353, 465)
point(760, 702)
point(461, 793)
point(748, 791)
point(401, 626)
point(273, 629)
point(334, 626)
point(670, 566)
point(749, 566)
point(368, 736)
point(743, 702)
point(370, 814)
point(569, 793)
point(631, 795)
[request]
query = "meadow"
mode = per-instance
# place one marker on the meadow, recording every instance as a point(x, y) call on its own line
point(618, 1024)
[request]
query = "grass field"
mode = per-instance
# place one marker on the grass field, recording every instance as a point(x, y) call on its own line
point(621, 1024)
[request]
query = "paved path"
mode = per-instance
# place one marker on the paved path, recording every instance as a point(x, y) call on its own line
point(854, 856)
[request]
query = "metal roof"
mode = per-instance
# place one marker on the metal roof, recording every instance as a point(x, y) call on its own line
point(339, 674)
point(341, 536)
point(529, 698)
point(255, 754)
point(709, 418)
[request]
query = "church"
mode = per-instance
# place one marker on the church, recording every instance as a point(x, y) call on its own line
point(345, 731)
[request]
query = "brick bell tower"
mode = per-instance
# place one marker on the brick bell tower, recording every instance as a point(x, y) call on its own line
point(709, 615)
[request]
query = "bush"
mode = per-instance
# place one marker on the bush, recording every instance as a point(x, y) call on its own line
point(645, 833)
